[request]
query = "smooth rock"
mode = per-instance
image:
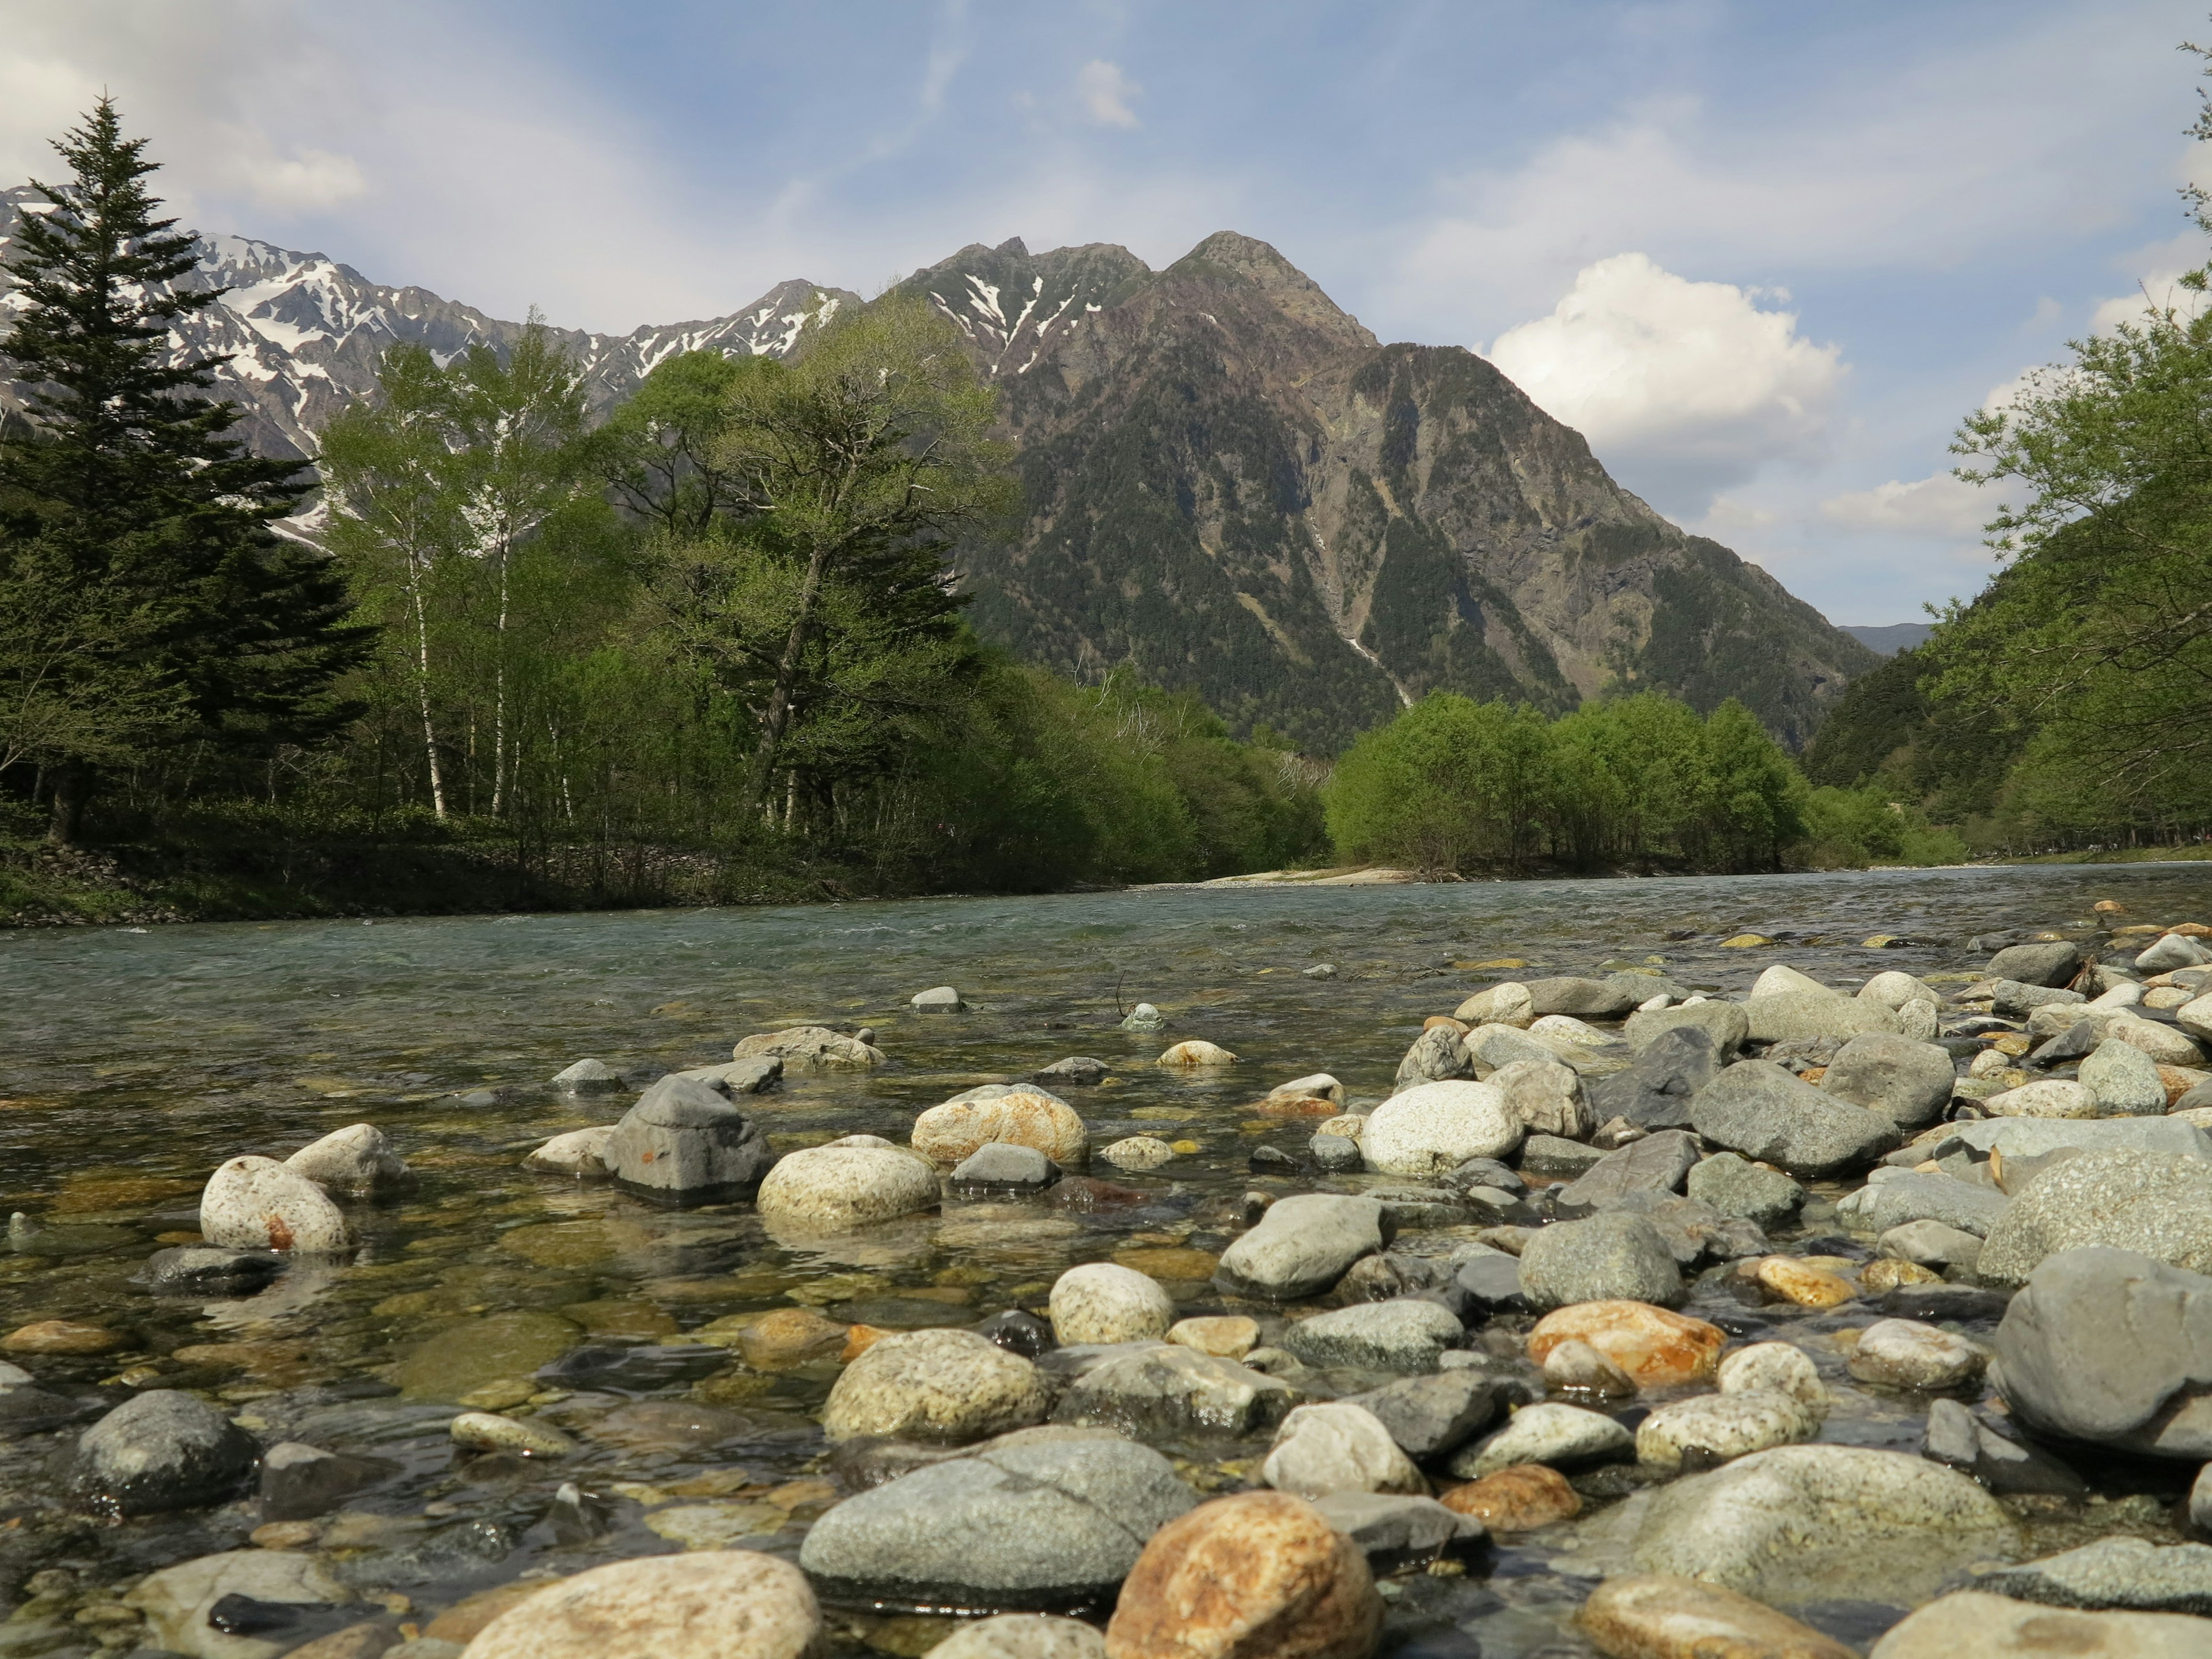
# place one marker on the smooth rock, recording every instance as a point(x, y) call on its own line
point(1254, 1575)
point(1955, 1437)
point(706, 1604)
point(490, 1432)
point(588, 1077)
point(159, 1451)
point(1317, 1085)
point(2049, 963)
point(1908, 1082)
point(684, 1141)
point(1930, 1244)
point(2125, 1079)
point(1607, 1258)
point(2121, 1573)
point(1225, 1336)
point(1141, 1152)
point(1432, 1128)
point(2163, 1044)
point(1399, 1528)
point(1881, 1206)
point(1657, 1347)
point(355, 1161)
point(1551, 1154)
point(1734, 1186)
point(1196, 1052)
point(1972, 1624)
point(1783, 1015)
point(1429, 1416)
point(300, 1482)
point(177, 1601)
point(63, 1337)
point(1761, 1110)
point(1338, 1446)
point(1714, 1428)
point(1100, 1302)
point(1080, 1069)
point(733, 1077)
point(955, 1131)
point(845, 1184)
point(1301, 1246)
point(2026, 1138)
point(1518, 1498)
point(1405, 1335)
point(1800, 1282)
point(814, 1047)
point(1165, 1390)
point(1143, 1018)
point(2015, 998)
point(2157, 1204)
point(1439, 1053)
point(1809, 1523)
point(1548, 1432)
point(2173, 950)
point(1655, 1090)
point(1591, 999)
point(581, 1153)
point(1509, 1003)
point(1575, 1367)
point(1656, 1616)
point(1018, 1526)
point(256, 1203)
point(1725, 1024)
point(1774, 1368)
point(1904, 1353)
point(209, 1270)
point(1003, 1167)
point(937, 999)
point(1894, 990)
point(1335, 1154)
point(947, 1386)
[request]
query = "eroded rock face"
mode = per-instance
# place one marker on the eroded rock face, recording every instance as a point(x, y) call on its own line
point(948, 1386)
point(1258, 1573)
point(698, 1606)
point(2109, 1346)
point(1026, 1525)
point(1809, 1523)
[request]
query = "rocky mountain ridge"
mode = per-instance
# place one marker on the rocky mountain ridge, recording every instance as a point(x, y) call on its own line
point(1231, 484)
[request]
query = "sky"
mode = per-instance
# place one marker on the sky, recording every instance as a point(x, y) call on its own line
point(1764, 257)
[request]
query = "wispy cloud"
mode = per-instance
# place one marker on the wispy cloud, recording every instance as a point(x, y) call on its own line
point(1104, 92)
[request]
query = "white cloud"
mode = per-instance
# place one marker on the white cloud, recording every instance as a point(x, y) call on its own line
point(1939, 506)
point(1104, 92)
point(309, 179)
point(1689, 387)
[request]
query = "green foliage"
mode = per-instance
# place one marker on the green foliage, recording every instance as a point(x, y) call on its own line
point(1851, 828)
point(1456, 785)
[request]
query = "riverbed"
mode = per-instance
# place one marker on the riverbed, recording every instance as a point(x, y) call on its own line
point(134, 1062)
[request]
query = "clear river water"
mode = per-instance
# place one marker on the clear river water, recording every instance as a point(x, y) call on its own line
point(132, 1063)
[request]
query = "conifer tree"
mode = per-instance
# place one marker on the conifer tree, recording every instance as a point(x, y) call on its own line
point(129, 487)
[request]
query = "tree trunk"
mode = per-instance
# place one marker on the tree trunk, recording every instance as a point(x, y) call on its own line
point(422, 692)
point(778, 713)
point(72, 788)
point(499, 695)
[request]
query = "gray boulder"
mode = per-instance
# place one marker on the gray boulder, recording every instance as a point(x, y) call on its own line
point(2032, 1137)
point(2011, 996)
point(1657, 1163)
point(1792, 1015)
point(1021, 1527)
point(937, 999)
point(300, 1482)
point(163, 1450)
point(1333, 1154)
point(1407, 1334)
point(1654, 1091)
point(1301, 1246)
point(2052, 963)
point(1956, 1436)
point(733, 1077)
point(2173, 950)
point(683, 1141)
point(2124, 1080)
point(1548, 1432)
point(1003, 1166)
point(1735, 1186)
point(1163, 1390)
point(2112, 1347)
point(1881, 1205)
point(1396, 1530)
point(1909, 1082)
point(2130, 1575)
point(1766, 1113)
point(2153, 1202)
point(1491, 1281)
point(1437, 1055)
point(1550, 1155)
point(1430, 1416)
point(209, 1270)
point(1588, 999)
point(1616, 1256)
point(1930, 1244)
point(1724, 1023)
point(588, 1077)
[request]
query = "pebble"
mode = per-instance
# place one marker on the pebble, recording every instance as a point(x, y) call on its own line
point(1196, 1052)
point(1717, 1427)
point(947, 1386)
point(708, 1604)
point(1545, 1433)
point(1225, 1336)
point(1658, 1616)
point(1338, 1446)
point(1256, 1574)
point(1100, 1302)
point(1809, 1287)
point(489, 1431)
point(1657, 1347)
point(63, 1336)
point(1138, 1152)
point(1519, 1498)
point(848, 1183)
point(1902, 1353)
point(1972, 1624)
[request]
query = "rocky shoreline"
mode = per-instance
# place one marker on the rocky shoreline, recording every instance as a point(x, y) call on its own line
point(1636, 1320)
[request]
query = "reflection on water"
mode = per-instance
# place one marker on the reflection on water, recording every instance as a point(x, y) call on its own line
point(133, 1064)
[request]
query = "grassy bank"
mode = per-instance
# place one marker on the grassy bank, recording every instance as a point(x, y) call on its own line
point(2189, 852)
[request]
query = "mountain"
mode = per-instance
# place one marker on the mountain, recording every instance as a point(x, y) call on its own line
point(1230, 485)
point(1890, 638)
point(306, 333)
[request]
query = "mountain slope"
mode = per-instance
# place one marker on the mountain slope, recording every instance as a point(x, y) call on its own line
point(1231, 484)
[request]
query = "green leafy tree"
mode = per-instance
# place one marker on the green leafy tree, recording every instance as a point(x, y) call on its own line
point(198, 622)
point(660, 449)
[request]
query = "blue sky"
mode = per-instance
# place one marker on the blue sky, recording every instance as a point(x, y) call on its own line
point(1764, 256)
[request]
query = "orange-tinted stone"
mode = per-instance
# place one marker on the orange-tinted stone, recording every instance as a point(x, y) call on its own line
point(1521, 1498)
point(62, 1336)
point(1656, 1616)
point(1653, 1346)
point(789, 1337)
point(1298, 1106)
point(1807, 1287)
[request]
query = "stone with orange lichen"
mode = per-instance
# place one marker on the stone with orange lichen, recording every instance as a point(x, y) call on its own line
point(1261, 1575)
point(1807, 1286)
point(1521, 1498)
point(1653, 1346)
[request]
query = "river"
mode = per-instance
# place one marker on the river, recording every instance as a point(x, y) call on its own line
point(133, 1062)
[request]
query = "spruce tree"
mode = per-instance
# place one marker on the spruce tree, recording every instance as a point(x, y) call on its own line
point(130, 487)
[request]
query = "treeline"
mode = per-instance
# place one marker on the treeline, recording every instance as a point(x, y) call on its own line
point(729, 618)
point(2068, 706)
point(1639, 784)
